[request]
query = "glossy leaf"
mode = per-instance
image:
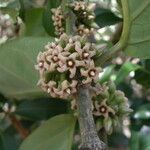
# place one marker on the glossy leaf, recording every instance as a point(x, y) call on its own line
point(18, 77)
point(104, 17)
point(139, 39)
point(7, 142)
point(134, 140)
point(33, 21)
point(47, 16)
point(14, 4)
point(107, 73)
point(125, 70)
point(145, 138)
point(143, 112)
point(40, 109)
point(117, 140)
point(54, 134)
point(140, 140)
point(143, 76)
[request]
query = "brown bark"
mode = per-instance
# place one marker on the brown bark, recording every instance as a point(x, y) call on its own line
point(89, 136)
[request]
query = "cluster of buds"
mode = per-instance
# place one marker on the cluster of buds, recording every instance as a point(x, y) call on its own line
point(7, 28)
point(66, 63)
point(59, 20)
point(83, 30)
point(85, 17)
point(110, 105)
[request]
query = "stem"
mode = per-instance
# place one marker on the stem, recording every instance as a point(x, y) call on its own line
point(124, 36)
point(18, 126)
point(116, 36)
point(69, 16)
point(89, 136)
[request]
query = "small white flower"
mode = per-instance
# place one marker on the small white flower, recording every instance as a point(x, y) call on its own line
point(82, 30)
point(67, 89)
point(91, 74)
point(49, 87)
point(69, 63)
point(102, 109)
point(42, 65)
point(58, 19)
point(85, 53)
point(91, 7)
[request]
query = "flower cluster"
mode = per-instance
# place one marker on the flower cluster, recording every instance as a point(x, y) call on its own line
point(110, 105)
point(83, 30)
point(85, 16)
point(7, 28)
point(59, 20)
point(65, 63)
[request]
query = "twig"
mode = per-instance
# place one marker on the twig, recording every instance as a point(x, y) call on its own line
point(18, 126)
point(110, 53)
point(69, 17)
point(89, 136)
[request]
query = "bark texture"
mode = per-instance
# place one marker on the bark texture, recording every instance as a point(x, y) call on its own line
point(89, 136)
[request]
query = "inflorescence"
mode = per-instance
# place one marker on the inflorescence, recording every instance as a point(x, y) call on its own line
point(109, 106)
point(66, 63)
point(84, 17)
point(7, 28)
point(59, 20)
point(70, 61)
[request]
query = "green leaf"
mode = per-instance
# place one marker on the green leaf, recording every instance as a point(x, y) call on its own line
point(104, 17)
point(117, 139)
point(145, 138)
point(139, 38)
point(54, 134)
point(143, 112)
point(125, 70)
point(14, 5)
point(134, 140)
point(143, 76)
point(18, 77)
point(47, 16)
point(40, 109)
point(7, 142)
point(107, 73)
point(33, 21)
point(140, 140)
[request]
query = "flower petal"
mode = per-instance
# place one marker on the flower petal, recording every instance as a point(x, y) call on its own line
point(72, 72)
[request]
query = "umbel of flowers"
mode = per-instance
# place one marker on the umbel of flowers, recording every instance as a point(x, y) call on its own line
point(58, 20)
point(7, 28)
point(110, 106)
point(85, 16)
point(66, 63)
